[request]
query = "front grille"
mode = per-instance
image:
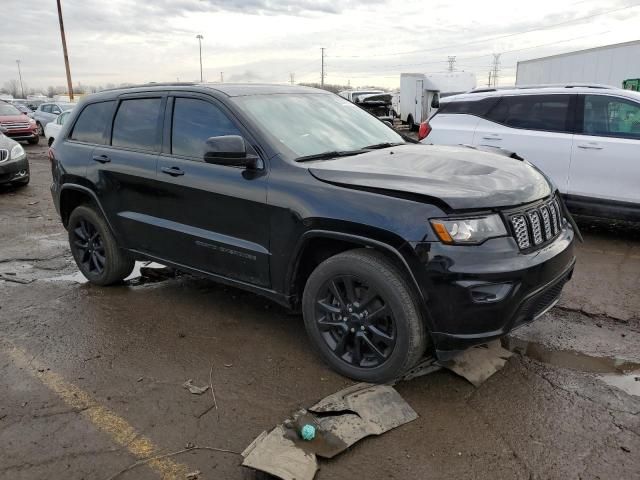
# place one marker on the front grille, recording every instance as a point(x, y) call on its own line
point(534, 226)
point(19, 125)
point(4, 154)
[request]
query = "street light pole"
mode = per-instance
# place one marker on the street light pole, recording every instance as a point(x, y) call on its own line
point(66, 56)
point(20, 75)
point(200, 37)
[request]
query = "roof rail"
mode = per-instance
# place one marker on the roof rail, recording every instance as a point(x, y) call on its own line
point(153, 84)
point(544, 85)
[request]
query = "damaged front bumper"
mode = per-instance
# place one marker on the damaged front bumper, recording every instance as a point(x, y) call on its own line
point(474, 294)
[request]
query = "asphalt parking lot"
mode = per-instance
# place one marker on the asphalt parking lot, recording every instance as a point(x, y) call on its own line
point(91, 379)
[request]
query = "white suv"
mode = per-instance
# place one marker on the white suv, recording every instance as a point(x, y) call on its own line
point(586, 138)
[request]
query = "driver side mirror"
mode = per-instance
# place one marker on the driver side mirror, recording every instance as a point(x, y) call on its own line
point(435, 101)
point(230, 151)
point(56, 111)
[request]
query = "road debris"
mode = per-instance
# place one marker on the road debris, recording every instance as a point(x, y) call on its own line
point(478, 363)
point(194, 389)
point(289, 451)
point(193, 475)
point(14, 279)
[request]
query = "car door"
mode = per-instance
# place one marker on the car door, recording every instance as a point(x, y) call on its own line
point(214, 218)
point(124, 170)
point(539, 128)
point(606, 151)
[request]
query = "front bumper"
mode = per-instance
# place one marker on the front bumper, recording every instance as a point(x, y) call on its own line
point(455, 281)
point(19, 135)
point(14, 170)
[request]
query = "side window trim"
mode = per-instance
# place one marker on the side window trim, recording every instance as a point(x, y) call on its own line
point(159, 126)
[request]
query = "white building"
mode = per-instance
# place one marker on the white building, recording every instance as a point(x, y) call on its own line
point(608, 65)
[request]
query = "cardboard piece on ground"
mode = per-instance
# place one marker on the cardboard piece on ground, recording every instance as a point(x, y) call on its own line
point(477, 364)
point(340, 420)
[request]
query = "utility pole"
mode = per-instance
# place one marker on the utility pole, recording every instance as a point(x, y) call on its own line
point(322, 68)
point(489, 82)
point(200, 37)
point(496, 68)
point(452, 62)
point(66, 56)
point(221, 77)
point(20, 75)
point(292, 78)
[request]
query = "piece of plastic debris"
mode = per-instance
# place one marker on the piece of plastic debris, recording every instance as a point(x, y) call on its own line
point(308, 432)
point(338, 421)
point(193, 475)
point(194, 389)
point(478, 363)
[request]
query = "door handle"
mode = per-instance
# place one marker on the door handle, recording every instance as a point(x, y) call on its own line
point(101, 158)
point(491, 137)
point(590, 147)
point(173, 171)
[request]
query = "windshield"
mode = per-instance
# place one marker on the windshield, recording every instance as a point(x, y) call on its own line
point(311, 124)
point(6, 109)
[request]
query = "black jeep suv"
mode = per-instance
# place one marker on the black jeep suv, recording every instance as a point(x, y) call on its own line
point(390, 249)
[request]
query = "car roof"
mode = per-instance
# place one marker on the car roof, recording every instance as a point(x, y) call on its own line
point(228, 89)
point(480, 93)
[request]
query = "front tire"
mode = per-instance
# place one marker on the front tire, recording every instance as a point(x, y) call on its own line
point(40, 130)
point(362, 317)
point(95, 249)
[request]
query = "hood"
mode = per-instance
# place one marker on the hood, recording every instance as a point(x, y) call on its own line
point(14, 118)
point(6, 143)
point(461, 177)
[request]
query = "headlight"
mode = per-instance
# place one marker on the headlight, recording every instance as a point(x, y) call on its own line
point(32, 121)
point(469, 230)
point(17, 152)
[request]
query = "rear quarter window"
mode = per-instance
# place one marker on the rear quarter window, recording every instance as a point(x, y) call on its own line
point(549, 113)
point(92, 122)
point(469, 107)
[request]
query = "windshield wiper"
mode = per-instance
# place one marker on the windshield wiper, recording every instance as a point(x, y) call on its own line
point(378, 146)
point(329, 155)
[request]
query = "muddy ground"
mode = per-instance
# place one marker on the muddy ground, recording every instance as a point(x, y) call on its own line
point(91, 378)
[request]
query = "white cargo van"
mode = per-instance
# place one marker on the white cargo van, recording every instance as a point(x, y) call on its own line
point(418, 98)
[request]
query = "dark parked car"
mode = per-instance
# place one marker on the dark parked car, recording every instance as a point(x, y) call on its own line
point(389, 249)
point(14, 166)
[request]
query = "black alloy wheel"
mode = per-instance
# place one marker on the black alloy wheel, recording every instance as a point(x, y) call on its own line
point(88, 244)
point(355, 321)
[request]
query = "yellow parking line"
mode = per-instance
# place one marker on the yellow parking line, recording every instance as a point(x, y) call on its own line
point(104, 419)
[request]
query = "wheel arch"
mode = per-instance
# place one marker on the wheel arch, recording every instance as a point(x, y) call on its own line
point(307, 256)
point(72, 195)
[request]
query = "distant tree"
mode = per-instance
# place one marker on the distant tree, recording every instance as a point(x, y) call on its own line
point(12, 87)
point(51, 91)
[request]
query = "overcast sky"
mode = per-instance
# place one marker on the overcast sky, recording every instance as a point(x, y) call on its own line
point(368, 42)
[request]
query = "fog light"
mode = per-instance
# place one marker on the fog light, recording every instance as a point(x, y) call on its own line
point(20, 174)
point(487, 292)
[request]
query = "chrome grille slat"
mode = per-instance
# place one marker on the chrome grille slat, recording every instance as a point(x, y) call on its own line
point(4, 154)
point(546, 221)
point(535, 226)
point(10, 125)
point(521, 231)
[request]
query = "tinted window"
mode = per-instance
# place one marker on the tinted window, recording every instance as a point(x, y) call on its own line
point(474, 107)
point(62, 118)
point(193, 122)
point(533, 112)
point(46, 108)
point(610, 116)
point(136, 124)
point(91, 123)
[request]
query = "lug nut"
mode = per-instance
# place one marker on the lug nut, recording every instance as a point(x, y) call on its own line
point(362, 327)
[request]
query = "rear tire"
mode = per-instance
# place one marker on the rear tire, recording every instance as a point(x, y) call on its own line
point(362, 316)
point(95, 249)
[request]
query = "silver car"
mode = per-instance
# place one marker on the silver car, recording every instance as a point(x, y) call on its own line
point(48, 112)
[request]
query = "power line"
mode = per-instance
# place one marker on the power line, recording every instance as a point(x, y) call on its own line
point(452, 62)
point(499, 37)
point(496, 68)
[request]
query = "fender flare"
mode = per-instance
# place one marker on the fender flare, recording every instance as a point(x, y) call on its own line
point(92, 195)
point(365, 241)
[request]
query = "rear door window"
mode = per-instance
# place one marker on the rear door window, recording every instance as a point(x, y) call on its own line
point(194, 121)
point(92, 122)
point(46, 108)
point(137, 124)
point(548, 113)
point(611, 117)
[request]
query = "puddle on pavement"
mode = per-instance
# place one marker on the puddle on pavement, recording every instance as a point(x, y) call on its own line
point(133, 279)
point(571, 359)
point(616, 372)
